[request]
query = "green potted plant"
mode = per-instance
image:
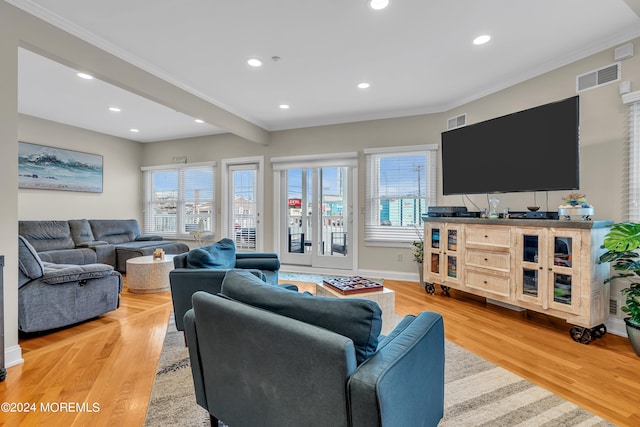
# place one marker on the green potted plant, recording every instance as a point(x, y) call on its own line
point(621, 242)
point(417, 249)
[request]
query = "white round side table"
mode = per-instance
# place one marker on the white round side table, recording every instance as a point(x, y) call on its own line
point(146, 275)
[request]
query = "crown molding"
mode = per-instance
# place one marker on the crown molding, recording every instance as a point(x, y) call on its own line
point(80, 32)
point(624, 35)
point(632, 97)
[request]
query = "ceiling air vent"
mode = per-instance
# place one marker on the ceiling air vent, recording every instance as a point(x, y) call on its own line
point(456, 122)
point(599, 77)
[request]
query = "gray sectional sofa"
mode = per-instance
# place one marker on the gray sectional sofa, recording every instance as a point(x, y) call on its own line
point(88, 241)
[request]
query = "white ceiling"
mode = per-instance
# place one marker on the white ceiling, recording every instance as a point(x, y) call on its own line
point(417, 55)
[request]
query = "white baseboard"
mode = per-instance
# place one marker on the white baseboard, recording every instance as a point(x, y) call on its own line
point(372, 274)
point(391, 275)
point(13, 356)
point(505, 305)
point(616, 326)
point(291, 268)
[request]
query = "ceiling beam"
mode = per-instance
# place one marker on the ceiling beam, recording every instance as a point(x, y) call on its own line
point(50, 41)
point(634, 5)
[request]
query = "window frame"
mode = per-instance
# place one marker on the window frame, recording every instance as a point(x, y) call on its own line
point(148, 200)
point(632, 181)
point(396, 236)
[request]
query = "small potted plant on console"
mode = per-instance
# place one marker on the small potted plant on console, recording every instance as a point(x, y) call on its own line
point(576, 206)
point(621, 243)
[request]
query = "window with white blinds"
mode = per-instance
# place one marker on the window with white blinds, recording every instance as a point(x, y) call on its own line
point(633, 167)
point(400, 185)
point(179, 199)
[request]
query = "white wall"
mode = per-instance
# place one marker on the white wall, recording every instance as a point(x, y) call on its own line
point(603, 134)
point(9, 188)
point(603, 131)
point(122, 181)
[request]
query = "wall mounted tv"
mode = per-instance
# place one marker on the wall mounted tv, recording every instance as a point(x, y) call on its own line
point(531, 150)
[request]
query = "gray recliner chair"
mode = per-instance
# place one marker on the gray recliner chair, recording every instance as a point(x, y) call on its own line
point(266, 356)
point(52, 295)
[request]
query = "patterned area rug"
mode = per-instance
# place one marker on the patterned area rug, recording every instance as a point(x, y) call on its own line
point(477, 393)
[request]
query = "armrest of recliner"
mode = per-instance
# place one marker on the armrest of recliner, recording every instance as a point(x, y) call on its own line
point(404, 379)
point(185, 282)
point(148, 237)
point(91, 244)
point(242, 255)
point(258, 261)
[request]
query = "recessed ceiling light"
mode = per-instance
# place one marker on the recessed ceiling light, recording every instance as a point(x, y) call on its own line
point(481, 39)
point(378, 4)
point(134, 130)
point(199, 121)
point(114, 109)
point(363, 85)
point(254, 62)
point(85, 76)
point(284, 106)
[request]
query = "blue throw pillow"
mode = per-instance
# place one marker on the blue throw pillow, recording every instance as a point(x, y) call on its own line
point(221, 254)
point(357, 319)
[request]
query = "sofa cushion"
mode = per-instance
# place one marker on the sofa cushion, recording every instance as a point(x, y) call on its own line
point(221, 254)
point(357, 319)
point(29, 262)
point(115, 231)
point(55, 274)
point(46, 235)
point(80, 231)
point(70, 256)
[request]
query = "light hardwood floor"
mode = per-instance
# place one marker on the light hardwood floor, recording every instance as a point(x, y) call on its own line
point(111, 361)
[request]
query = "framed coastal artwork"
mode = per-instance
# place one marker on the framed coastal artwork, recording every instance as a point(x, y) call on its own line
point(48, 168)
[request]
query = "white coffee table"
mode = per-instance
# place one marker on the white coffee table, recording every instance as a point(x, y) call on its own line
point(146, 275)
point(386, 299)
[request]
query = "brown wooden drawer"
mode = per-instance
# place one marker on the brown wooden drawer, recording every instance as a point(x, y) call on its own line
point(493, 260)
point(490, 236)
point(495, 284)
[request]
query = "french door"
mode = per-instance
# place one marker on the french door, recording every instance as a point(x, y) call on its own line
point(243, 204)
point(316, 216)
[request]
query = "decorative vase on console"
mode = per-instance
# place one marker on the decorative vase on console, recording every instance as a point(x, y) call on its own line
point(417, 248)
point(493, 207)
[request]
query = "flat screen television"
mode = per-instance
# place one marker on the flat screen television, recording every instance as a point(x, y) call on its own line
point(531, 150)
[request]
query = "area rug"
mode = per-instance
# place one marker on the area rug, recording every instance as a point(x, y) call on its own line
point(477, 393)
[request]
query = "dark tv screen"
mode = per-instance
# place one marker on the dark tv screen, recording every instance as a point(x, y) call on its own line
point(531, 150)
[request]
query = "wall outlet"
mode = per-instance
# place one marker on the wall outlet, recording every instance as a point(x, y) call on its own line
point(399, 257)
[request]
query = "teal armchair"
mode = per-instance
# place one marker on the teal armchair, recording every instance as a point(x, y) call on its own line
point(265, 356)
point(203, 269)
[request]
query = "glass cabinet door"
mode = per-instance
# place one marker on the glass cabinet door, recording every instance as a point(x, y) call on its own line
point(435, 263)
point(531, 255)
point(529, 262)
point(564, 271)
point(435, 238)
point(452, 257)
point(442, 251)
point(562, 288)
point(434, 255)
